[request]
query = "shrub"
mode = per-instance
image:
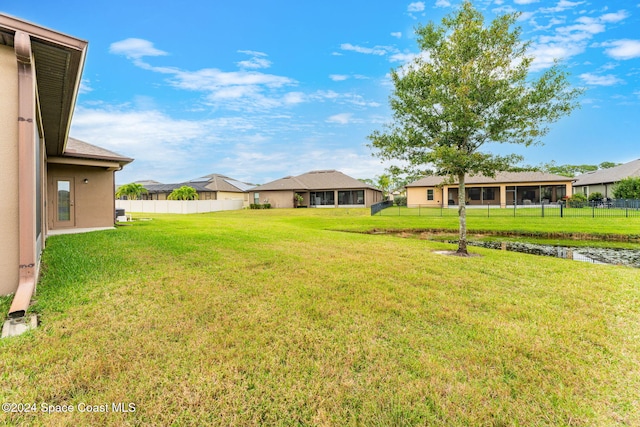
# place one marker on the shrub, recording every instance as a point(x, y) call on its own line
point(260, 206)
point(578, 200)
point(400, 200)
point(628, 188)
point(596, 197)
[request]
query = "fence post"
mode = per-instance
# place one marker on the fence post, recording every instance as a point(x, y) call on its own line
point(488, 211)
point(561, 210)
point(626, 207)
point(542, 205)
point(593, 209)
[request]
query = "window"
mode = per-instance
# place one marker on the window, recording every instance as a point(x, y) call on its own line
point(322, 198)
point(474, 193)
point(430, 194)
point(489, 194)
point(256, 198)
point(354, 197)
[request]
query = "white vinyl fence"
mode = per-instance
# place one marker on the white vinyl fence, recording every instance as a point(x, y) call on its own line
point(178, 206)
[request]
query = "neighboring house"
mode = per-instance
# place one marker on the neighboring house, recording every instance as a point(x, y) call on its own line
point(507, 188)
point(322, 188)
point(49, 180)
point(209, 187)
point(604, 180)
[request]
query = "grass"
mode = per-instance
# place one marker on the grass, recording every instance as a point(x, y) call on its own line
point(275, 318)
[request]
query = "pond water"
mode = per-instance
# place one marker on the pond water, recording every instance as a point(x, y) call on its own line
point(613, 256)
point(595, 255)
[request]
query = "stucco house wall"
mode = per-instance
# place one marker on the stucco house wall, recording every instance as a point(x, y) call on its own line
point(277, 199)
point(9, 170)
point(498, 191)
point(94, 206)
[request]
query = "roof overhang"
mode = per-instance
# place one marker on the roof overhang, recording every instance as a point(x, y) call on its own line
point(110, 165)
point(59, 60)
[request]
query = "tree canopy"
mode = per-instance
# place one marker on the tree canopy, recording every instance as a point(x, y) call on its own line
point(469, 87)
point(132, 191)
point(627, 188)
point(183, 193)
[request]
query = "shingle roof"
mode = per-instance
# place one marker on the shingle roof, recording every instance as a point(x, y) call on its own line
point(501, 177)
point(212, 182)
point(84, 150)
point(315, 180)
point(610, 175)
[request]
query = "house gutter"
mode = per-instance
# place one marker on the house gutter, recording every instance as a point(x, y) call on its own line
point(26, 176)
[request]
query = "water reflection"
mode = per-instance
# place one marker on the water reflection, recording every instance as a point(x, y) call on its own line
point(629, 257)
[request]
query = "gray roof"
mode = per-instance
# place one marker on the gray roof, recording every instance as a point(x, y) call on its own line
point(610, 175)
point(315, 180)
point(84, 150)
point(500, 178)
point(211, 183)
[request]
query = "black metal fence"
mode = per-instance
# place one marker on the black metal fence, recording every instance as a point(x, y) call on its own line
point(594, 209)
point(377, 207)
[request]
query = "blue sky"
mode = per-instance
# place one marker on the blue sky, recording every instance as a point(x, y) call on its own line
point(257, 90)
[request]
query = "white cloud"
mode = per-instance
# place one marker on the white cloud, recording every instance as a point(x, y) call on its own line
point(402, 57)
point(416, 7)
point(338, 77)
point(343, 118)
point(443, 3)
point(545, 55)
point(377, 50)
point(525, 1)
point(562, 6)
point(615, 17)
point(134, 48)
point(623, 49)
point(85, 86)
point(595, 80)
point(257, 60)
point(570, 40)
point(161, 145)
point(396, 34)
point(292, 98)
point(245, 89)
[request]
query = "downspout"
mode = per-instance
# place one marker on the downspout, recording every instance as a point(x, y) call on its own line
point(26, 177)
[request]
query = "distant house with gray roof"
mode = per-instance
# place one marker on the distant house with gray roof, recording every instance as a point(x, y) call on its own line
point(604, 180)
point(321, 188)
point(209, 187)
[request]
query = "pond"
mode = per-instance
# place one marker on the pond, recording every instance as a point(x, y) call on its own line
point(592, 254)
point(615, 256)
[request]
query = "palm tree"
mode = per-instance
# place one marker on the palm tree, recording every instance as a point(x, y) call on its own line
point(132, 191)
point(183, 193)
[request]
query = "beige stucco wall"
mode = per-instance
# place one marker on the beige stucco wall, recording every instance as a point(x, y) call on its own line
point(277, 199)
point(94, 201)
point(605, 189)
point(417, 196)
point(9, 248)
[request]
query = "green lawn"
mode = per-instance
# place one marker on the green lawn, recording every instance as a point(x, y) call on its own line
point(277, 318)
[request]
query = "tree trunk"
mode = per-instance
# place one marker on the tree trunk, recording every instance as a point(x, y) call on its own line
point(462, 216)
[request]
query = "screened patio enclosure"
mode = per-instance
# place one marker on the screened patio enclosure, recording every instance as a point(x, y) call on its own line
point(518, 195)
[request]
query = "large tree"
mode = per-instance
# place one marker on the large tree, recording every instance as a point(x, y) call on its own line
point(469, 87)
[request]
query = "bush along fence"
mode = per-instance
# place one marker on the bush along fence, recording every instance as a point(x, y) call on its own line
point(610, 208)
